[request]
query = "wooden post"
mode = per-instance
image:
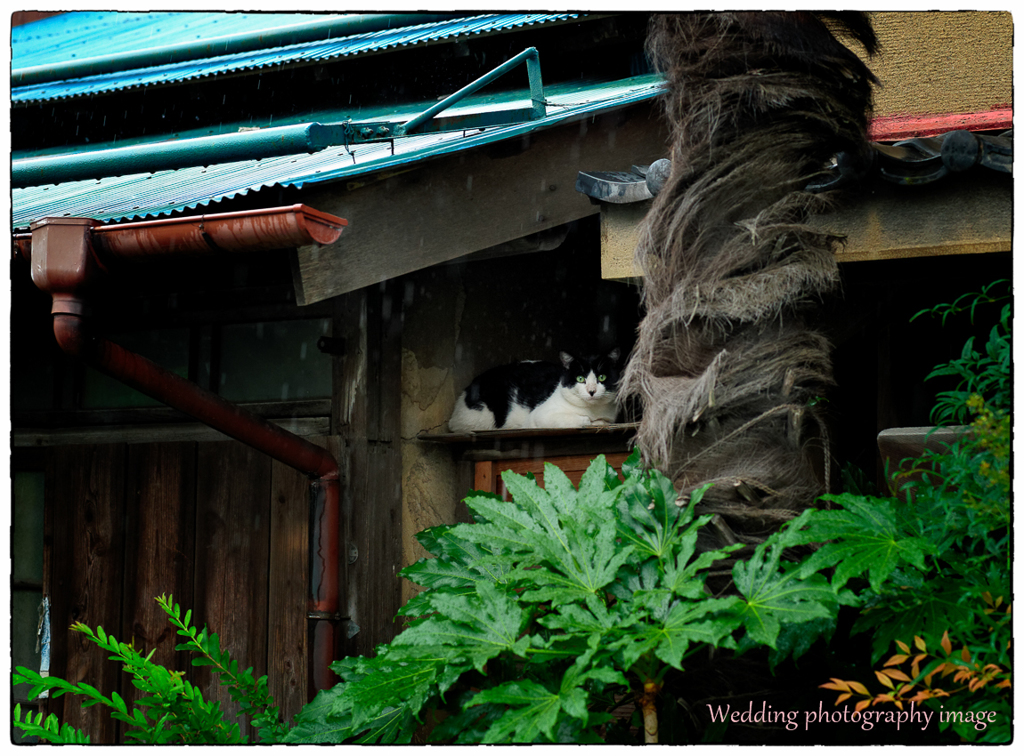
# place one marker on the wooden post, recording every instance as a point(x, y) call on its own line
point(368, 414)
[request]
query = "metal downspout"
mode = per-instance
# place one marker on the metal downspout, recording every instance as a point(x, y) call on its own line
point(62, 254)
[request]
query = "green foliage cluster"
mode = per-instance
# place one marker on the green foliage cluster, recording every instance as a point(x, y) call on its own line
point(171, 710)
point(955, 506)
point(545, 613)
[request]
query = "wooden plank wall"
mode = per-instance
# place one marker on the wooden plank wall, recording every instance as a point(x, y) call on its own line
point(232, 547)
point(159, 548)
point(367, 415)
point(88, 554)
point(221, 527)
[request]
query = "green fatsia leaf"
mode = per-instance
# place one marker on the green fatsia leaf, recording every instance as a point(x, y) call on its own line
point(598, 482)
point(633, 466)
point(794, 640)
point(408, 682)
point(561, 493)
point(682, 577)
point(593, 503)
point(649, 517)
point(502, 515)
point(469, 724)
point(563, 552)
point(533, 710)
point(328, 718)
point(321, 720)
point(774, 594)
point(459, 567)
point(398, 677)
point(576, 620)
point(574, 566)
point(396, 724)
point(862, 537)
point(669, 633)
point(480, 625)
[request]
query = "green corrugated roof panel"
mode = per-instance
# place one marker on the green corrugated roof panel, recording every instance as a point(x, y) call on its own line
point(98, 35)
point(163, 192)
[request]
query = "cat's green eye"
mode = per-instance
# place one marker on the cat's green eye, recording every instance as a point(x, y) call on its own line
point(580, 379)
point(601, 378)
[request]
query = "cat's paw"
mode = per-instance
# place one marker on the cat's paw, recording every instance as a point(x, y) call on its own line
point(597, 422)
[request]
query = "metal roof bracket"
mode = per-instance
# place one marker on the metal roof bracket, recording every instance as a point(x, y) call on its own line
point(385, 130)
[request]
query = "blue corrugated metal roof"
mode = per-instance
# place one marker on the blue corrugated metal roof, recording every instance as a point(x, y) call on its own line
point(88, 34)
point(163, 192)
point(51, 41)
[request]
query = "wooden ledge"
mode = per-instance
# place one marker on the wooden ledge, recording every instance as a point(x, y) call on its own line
point(522, 443)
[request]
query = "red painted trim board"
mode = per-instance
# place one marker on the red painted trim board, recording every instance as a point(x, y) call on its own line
point(893, 128)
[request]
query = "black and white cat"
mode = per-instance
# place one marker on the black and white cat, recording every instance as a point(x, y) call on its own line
point(533, 394)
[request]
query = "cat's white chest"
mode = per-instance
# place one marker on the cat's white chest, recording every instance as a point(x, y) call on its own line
point(574, 408)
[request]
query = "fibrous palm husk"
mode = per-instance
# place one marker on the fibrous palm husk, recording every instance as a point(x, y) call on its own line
point(726, 368)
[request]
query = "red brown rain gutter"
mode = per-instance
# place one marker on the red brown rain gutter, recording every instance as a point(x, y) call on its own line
point(68, 254)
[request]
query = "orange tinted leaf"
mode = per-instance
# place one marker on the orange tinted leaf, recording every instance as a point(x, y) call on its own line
point(915, 670)
point(861, 705)
point(905, 689)
point(899, 705)
point(903, 647)
point(946, 645)
point(922, 695)
point(987, 596)
point(897, 659)
point(842, 698)
point(965, 654)
point(884, 680)
point(1004, 684)
point(896, 674)
point(859, 688)
point(920, 643)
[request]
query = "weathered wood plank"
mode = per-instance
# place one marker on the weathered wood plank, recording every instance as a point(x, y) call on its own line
point(970, 213)
point(453, 206)
point(371, 494)
point(348, 408)
point(154, 433)
point(288, 587)
point(159, 549)
point(80, 418)
point(87, 574)
point(573, 466)
point(233, 485)
point(373, 515)
point(483, 477)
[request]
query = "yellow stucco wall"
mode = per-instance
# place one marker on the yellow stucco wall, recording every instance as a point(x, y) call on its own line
point(943, 62)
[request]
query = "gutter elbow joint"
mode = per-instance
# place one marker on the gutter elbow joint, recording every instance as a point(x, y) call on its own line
point(70, 329)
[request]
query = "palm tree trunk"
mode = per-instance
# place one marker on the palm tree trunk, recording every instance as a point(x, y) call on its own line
point(726, 366)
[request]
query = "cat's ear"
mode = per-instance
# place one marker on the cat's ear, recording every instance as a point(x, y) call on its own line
point(614, 354)
point(566, 359)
